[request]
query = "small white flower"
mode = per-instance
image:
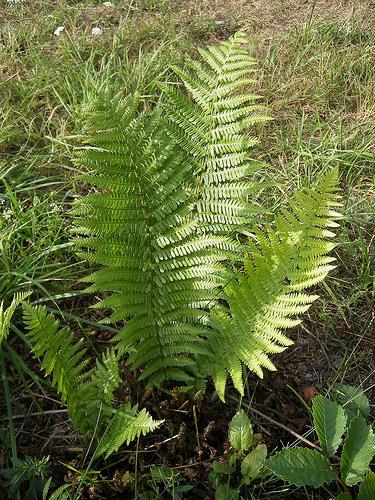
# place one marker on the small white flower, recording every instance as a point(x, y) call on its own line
point(108, 4)
point(96, 31)
point(58, 30)
point(8, 214)
point(54, 208)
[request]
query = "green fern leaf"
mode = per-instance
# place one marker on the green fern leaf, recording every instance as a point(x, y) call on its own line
point(62, 356)
point(6, 315)
point(213, 132)
point(125, 425)
point(267, 298)
point(87, 392)
point(141, 228)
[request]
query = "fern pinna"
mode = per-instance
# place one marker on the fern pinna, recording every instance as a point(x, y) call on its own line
point(173, 192)
point(87, 391)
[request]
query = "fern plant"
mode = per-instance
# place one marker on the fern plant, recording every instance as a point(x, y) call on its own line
point(267, 298)
point(172, 193)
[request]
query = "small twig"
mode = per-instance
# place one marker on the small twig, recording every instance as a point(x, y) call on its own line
point(266, 431)
point(155, 445)
point(183, 405)
point(196, 427)
point(39, 413)
point(197, 463)
point(11, 77)
point(45, 397)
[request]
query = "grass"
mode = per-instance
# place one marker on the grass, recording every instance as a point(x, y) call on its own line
point(317, 78)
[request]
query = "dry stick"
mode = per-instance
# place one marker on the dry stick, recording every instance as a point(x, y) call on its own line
point(285, 428)
point(11, 77)
point(196, 463)
point(155, 445)
point(39, 413)
point(196, 427)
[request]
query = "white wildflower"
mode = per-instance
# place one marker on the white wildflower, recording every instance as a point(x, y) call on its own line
point(8, 214)
point(59, 30)
point(96, 31)
point(108, 4)
point(54, 208)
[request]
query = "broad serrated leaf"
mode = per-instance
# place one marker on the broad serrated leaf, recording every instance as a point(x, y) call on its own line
point(329, 423)
point(253, 462)
point(223, 468)
point(358, 450)
point(352, 400)
point(367, 489)
point(301, 467)
point(225, 492)
point(240, 432)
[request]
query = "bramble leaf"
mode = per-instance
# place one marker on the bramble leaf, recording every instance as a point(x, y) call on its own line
point(240, 432)
point(223, 468)
point(253, 462)
point(358, 450)
point(225, 492)
point(367, 489)
point(352, 399)
point(329, 423)
point(301, 467)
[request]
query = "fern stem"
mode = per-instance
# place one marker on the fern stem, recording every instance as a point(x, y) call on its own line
point(152, 291)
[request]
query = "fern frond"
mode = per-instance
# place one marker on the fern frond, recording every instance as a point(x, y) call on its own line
point(141, 227)
point(126, 425)
point(267, 298)
point(6, 315)
point(63, 357)
point(87, 391)
point(213, 132)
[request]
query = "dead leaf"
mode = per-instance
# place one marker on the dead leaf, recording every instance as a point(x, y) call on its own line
point(309, 393)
